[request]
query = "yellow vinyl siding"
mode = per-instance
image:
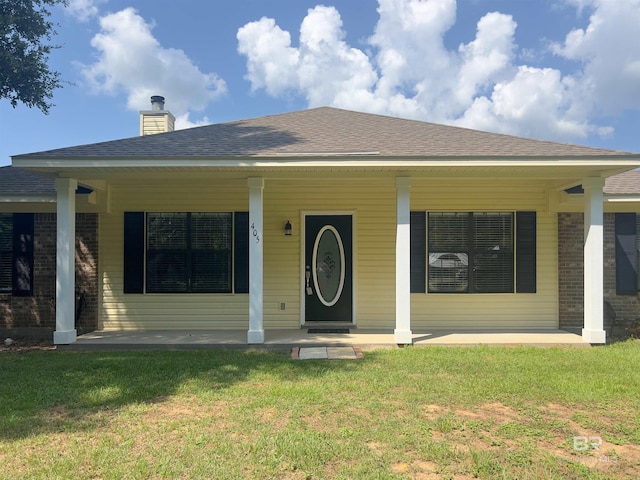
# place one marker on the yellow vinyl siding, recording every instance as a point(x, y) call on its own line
point(372, 202)
point(487, 311)
point(153, 122)
point(166, 311)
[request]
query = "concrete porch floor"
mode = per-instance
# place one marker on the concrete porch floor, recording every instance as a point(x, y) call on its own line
point(281, 339)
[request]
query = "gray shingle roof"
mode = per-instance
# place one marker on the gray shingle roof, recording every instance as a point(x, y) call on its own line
point(627, 183)
point(329, 131)
point(18, 182)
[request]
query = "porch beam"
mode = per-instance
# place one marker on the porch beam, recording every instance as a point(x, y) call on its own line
point(256, 259)
point(65, 332)
point(402, 332)
point(593, 331)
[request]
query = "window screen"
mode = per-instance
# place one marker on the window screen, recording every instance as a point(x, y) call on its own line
point(6, 251)
point(211, 240)
point(492, 256)
point(189, 252)
point(470, 252)
point(448, 243)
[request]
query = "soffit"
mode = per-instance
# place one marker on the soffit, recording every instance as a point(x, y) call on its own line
point(561, 173)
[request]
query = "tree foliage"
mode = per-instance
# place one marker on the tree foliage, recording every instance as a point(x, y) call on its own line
point(25, 37)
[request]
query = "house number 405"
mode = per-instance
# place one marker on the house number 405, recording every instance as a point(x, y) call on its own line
point(255, 233)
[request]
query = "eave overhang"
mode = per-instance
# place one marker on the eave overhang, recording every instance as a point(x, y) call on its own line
point(364, 163)
point(27, 199)
point(622, 198)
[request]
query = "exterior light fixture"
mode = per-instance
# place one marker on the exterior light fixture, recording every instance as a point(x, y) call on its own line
point(287, 228)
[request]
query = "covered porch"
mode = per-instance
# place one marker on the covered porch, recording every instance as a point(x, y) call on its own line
point(283, 339)
point(407, 330)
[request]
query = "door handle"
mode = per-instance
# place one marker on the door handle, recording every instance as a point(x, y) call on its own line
point(307, 275)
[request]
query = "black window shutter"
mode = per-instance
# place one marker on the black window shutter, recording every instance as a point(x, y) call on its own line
point(526, 252)
point(23, 254)
point(418, 252)
point(133, 252)
point(241, 252)
point(626, 254)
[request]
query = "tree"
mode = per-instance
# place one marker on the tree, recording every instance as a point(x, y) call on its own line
point(25, 36)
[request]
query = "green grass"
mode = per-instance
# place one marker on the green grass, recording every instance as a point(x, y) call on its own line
point(474, 412)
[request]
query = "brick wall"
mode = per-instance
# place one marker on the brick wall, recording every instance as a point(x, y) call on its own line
point(38, 311)
point(87, 271)
point(620, 311)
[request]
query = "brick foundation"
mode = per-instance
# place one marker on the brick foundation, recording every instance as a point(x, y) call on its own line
point(36, 314)
point(620, 311)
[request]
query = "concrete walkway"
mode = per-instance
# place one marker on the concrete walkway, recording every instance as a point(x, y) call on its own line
point(328, 353)
point(281, 339)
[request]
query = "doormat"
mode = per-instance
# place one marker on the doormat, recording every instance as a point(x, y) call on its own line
point(328, 330)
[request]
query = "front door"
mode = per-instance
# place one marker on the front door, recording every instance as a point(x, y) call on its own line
point(328, 288)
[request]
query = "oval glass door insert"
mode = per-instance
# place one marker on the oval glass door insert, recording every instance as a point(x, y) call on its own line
point(328, 265)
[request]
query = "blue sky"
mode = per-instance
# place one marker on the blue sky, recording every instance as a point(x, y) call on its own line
point(562, 70)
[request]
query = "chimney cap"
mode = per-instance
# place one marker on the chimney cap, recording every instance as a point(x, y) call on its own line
point(157, 102)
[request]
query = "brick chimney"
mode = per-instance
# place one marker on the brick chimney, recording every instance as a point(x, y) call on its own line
point(156, 120)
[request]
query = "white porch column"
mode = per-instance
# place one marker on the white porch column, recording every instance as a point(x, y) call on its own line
point(256, 328)
point(402, 332)
point(593, 331)
point(65, 332)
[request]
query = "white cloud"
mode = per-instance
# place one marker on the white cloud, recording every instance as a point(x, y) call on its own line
point(327, 64)
point(322, 68)
point(413, 63)
point(132, 61)
point(183, 121)
point(409, 71)
point(609, 49)
point(271, 62)
point(83, 10)
point(485, 59)
point(533, 103)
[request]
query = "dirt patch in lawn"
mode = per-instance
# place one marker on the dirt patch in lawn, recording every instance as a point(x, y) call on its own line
point(26, 345)
point(163, 408)
point(419, 470)
point(497, 431)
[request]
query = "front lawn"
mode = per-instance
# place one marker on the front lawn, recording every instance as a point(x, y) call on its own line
point(435, 412)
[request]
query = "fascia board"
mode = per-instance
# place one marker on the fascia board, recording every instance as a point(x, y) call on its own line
point(27, 199)
point(612, 162)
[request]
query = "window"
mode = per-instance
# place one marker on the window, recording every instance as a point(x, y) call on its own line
point(470, 252)
point(626, 253)
point(6, 252)
point(186, 252)
point(638, 250)
point(16, 253)
point(189, 252)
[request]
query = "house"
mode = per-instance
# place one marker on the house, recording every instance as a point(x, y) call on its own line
point(333, 217)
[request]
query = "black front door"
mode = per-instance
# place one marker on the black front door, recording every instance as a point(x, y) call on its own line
point(328, 285)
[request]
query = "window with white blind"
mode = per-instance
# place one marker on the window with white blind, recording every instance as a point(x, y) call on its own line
point(6, 251)
point(189, 252)
point(470, 252)
point(638, 249)
point(16, 253)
